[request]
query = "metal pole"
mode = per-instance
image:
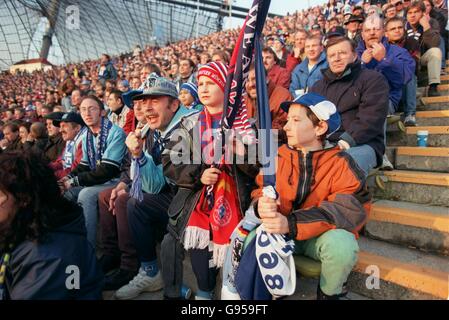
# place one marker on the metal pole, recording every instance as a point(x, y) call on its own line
point(230, 14)
point(197, 18)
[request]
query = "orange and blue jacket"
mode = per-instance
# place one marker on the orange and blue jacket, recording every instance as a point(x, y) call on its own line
point(319, 191)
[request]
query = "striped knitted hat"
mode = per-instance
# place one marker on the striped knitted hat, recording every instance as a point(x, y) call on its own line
point(216, 71)
point(193, 90)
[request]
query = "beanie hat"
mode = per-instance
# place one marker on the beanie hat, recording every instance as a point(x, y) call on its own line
point(216, 71)
point(321, 107)
point(193, 90)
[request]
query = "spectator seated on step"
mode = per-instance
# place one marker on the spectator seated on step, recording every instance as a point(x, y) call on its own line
point(361, 97)
point(325, 217)
point(278, 75)
point(395, 33)
point(393, 62)
point(425, 30)
point(308, 72)
point(103, 152)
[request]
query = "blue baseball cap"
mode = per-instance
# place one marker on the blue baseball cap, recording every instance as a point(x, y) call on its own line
point(320, 106)
point(128, 97)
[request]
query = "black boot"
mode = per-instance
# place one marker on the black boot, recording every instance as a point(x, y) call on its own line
point(433, 90)
point(118, 279)
point(320, 295)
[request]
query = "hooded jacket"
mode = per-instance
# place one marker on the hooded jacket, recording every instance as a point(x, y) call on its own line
point(319, 191)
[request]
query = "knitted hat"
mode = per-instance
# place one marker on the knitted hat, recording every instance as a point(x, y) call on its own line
point(193, 90)
point(321, 107)
point(216, 71)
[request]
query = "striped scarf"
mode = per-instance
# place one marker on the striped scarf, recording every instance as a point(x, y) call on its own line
point(95, 156)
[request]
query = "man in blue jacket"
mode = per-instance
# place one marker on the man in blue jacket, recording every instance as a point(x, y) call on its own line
point(308, 72)
point(394, 62)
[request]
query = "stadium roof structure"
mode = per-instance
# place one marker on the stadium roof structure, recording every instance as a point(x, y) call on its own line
point(79, 30)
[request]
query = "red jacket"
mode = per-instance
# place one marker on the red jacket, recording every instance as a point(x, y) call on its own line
point(276, 95)
point(279, 76)
point(57, 165)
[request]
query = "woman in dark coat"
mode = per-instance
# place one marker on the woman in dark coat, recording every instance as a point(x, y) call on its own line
point(43, 246)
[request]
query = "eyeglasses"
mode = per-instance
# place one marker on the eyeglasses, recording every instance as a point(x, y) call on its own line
point(397, 4)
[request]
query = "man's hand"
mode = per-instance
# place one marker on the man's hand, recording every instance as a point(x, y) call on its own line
point(64, 184)
point(379, 51)
point(367, 56)
point(116, 192)
point(210, 176)
point(134, 144)
point(425, 22)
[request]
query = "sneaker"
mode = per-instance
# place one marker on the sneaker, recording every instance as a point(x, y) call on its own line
point(386, 164)
point(433, 91)
point(410, 121)
point(140, 283)
point(109, 263)
point(393, 118)
point(118, 279)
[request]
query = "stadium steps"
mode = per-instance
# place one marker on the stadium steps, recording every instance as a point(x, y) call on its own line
point(435, 159)
point(438, 136)
point(386, 271)
point(406, 238)
point(432, 118)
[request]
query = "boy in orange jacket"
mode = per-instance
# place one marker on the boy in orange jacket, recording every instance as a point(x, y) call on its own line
point(323, 201)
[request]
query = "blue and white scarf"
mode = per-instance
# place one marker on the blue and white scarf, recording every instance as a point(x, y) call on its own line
point(95, 155)
point(136, 186)
point(274, 254)
point(70, 149)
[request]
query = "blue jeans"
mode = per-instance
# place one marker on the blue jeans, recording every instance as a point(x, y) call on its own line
point(409, 97)
point(87, 198)
point(364, 156)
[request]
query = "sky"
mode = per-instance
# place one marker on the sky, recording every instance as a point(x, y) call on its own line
point(277, 6)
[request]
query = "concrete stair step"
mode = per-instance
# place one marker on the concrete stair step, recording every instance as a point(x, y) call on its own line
point(443, 87)
point(413, 225)
point(420, 159)
point(429, 188)
point(432, 100)
point(438, 136)
point(432, 118)
point(403, 273)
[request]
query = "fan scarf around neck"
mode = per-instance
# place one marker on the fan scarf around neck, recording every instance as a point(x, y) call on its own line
point(96, 154)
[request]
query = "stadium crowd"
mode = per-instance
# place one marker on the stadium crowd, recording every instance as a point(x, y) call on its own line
point(103, 134)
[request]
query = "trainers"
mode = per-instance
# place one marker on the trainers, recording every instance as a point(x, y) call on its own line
point(386, 164)
point(118, 279)
point(410, 121)
point(140, 283)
